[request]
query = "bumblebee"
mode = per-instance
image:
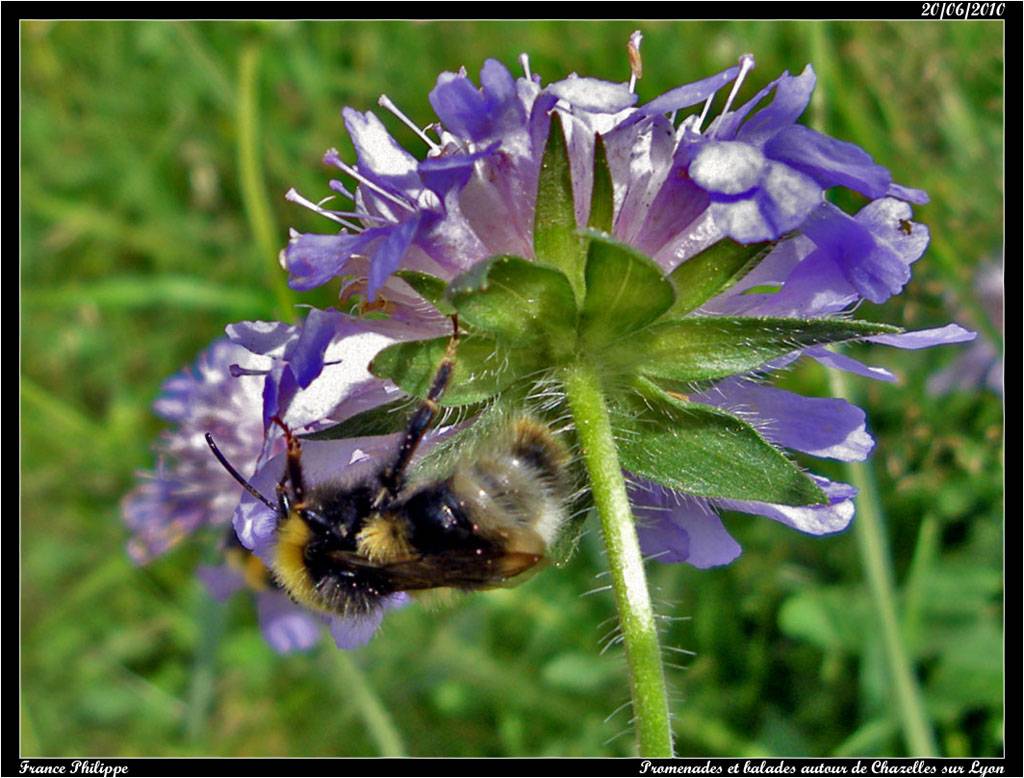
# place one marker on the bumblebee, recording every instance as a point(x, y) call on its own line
point(342, 548)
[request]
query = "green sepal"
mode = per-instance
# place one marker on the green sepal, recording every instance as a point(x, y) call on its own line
point(382, 420)
point(482, 367)
point(555, 240)
point(430, 288)
point(714, 270)
point(704, 348)
point(626, 291)
point(602, 196)
point(703, 451)
point(518, 302)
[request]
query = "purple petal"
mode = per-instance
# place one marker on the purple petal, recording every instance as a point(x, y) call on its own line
point(260, 337)
point(889, 222)
point(789, 197)
point(674, 527)
point(816, 287)
point(593, 94)
point(442, 174)
point(312, 260)
point(850, 365)
point(939, 336)
point(689, 94)
point(381, 158)
point(822, 427)
point(255, 524)
point(388, 256)
point(916, 196)
point(828, 161)
point(728, 167)
point(306, 355)
point(875, 268)
point(812, 519)
point(221, 581)
point(792, 94)
point(479, 116)
point(285, 625)
point(279, 388)
point(354, 631)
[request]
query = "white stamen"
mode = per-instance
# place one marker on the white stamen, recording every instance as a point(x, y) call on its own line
point(636, 65)
point(746, 65)
point(385, 102)
point(333, 157)
point(340, 188)
point(704, 113)
point(293, 196)
point(524, 60)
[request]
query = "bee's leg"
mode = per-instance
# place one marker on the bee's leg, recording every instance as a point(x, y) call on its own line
point(393, 477)
point(292, 472)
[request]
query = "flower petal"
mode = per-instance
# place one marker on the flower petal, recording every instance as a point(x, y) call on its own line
point(812, 519)
point(221, 581)
point(849, 364)
point(822, 427)
point(828, 161)
point(689, 94)
point(674, 527)
point(792, 94)
point(312, 260)
point(593, 94)
point(285, 625)
point(938, 336)
point(380, 156)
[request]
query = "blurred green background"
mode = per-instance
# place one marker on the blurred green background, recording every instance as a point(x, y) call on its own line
point(155, 157)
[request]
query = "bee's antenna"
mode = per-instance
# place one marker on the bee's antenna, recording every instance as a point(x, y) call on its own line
point(235, 474)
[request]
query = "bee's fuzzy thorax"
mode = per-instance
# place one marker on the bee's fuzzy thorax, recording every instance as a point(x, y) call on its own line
point(384, 538)
point(293, 535)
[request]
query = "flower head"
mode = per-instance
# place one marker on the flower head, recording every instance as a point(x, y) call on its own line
point(743, 190)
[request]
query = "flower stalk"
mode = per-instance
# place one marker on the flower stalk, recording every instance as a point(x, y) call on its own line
point(629, 583)
point(877, 563)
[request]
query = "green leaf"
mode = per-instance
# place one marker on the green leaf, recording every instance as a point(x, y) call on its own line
point(518, 302)
point(555, 240)
point(714, 270)
point(626, 291)
point(703, 348)
point(706, 452)
point(602, 198)
point(430, 288)
point(382, 420)
point(482, 367)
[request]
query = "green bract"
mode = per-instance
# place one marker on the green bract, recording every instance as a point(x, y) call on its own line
point(588, 301)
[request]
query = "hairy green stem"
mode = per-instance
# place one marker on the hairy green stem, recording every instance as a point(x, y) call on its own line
point(629, 583)
point(254, 188)
point(869, 530)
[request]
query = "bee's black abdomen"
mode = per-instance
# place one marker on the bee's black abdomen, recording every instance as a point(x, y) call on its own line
point(438, 521)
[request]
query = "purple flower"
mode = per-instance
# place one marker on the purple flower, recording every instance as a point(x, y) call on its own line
point(981, 365)
point(308, 374)
point(190, 489)
point(681, 182)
